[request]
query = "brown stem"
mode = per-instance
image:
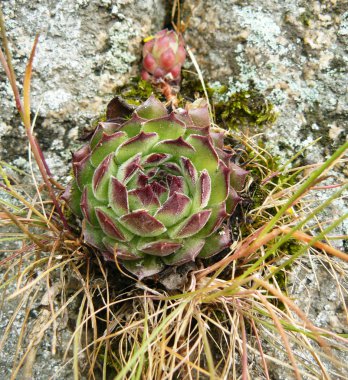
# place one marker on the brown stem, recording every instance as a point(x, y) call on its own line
point(245, 249)
point(10, 74)
point(317, 244)
point(38, 155)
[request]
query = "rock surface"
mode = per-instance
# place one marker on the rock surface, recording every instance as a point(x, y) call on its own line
point(293, 52)
point(86, 49)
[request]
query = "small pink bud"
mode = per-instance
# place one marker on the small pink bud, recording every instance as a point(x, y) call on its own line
point(145, 75)
point(175, 71)
point(149, 63)
point(159, 73)
point(148, 46)
point(167, 59)
point(162, 55)
point(181, 54)
point(162, 44)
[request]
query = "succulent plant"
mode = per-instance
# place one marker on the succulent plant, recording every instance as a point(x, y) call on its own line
point(163, 56)
point(154, 188)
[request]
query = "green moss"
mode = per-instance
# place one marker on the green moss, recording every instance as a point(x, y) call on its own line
point(245, 108)
point(137, 91)
point(233, 111)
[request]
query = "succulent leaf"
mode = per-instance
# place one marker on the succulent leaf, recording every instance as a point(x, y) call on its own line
point(167, 127)
point(238, 176)
point(148, 266)
point(216, 243)
point(101, 176)
point(109, 143)
point(220, 183)
point(159, 247)
point(188, 252)
point(110, 225)
point(176, 207)
point(178, 147)
point(152, 108)
point(205, 156)
point(139, 143)
point(118, 197)
point(191, 225)
point(154, 189)
point(141, 223)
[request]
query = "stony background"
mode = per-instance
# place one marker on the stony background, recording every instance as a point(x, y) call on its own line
point(294, 52)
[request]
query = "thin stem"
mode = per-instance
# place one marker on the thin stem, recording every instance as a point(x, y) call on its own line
point(304, 187)
point(22, 228)
point(10, 74)
point(33, 143)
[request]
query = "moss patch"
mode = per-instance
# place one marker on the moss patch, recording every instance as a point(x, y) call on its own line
point(137, 91)
point(232, 111)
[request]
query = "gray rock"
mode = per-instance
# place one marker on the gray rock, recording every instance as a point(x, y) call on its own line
point(293, 52)
point(86, 49)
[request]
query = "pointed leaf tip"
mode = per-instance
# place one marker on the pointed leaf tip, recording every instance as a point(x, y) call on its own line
point(152, 108)
point(141, 223)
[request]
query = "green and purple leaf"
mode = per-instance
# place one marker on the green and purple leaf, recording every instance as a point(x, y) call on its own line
point(141, 223)
point(118, 108)
point(232, 201)
point(190, 226)
point(121, 251)
point(216, 243)
point(238, 176)
point(168, 127)
point(72, 196)
point(159, 247)
point(155, 159)
point(143, 198)
point(174, 209)
point(202, 191)
point(128, 169)
point(152, 108)
point(111, 227)
point(88, 203)
point(106, 145)
point(83, 171)
point(118, 197)
point(205, 156)
point(142, 142)
point(178, 147)
point(199, 113)
point(101, 177)
point(220, 182)
point(93, 235)
point(217, 217)
point(190, 250)
point(148, 266)
point(133, 126)
point(189, 172)
point(176, 184)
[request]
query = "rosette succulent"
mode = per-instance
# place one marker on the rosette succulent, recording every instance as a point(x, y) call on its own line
point(163, 56)
point(154, 188)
